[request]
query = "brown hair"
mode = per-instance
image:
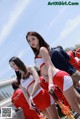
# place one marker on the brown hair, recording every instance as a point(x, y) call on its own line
point(42, 42)
point(21, 66)
point(15, 85)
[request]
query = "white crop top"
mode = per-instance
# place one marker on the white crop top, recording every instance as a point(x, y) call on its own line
point(27, 82)
point(39, 62)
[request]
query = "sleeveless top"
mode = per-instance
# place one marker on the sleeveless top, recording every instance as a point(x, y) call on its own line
point(39, 62)
point(27, 82)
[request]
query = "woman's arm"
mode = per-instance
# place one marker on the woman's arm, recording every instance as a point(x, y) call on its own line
point(36, 78)
point(51, 68)
point(25, 93)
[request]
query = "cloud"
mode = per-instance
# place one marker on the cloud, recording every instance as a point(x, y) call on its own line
point(57, 17)
point(71, 25)
point(8, 26)
point(22, 53)
point(4, 71)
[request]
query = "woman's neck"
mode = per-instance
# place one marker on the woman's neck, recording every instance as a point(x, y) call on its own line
point(25, 76)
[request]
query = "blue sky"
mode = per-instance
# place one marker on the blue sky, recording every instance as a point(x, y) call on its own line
point(59, 25)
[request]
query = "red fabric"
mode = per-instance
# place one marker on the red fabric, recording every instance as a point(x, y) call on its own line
point(78, 63)
point(73, 60)
point(78, 60)
point(44, 84)
point(19, 100)
point(78, 53)
point(42, 65)
point(57, 91)
point(58, 79)
point(42, 100)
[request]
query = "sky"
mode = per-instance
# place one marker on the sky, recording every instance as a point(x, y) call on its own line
point(58, 24)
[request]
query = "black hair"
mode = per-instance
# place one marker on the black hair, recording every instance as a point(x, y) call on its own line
point(20, 65)
point(15, 85)
point(42, 42)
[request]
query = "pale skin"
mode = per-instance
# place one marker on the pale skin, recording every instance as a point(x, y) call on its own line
point(49, 69)
point(49, 109)
point(35, 86)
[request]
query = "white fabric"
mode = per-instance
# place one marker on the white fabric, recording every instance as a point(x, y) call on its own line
point(51, 100)
point(38, 91)
point(67, 83)
point(38, 62)
point(27, 81)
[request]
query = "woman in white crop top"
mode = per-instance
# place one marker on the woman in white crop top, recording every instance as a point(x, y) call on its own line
point(30, 84)
point(51, 74)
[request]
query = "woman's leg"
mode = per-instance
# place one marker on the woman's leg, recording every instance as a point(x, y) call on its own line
point(46, 114)
point(72, 99)
point(44, 101)
point(78, 96)
point(52, 111)
point(76, 77)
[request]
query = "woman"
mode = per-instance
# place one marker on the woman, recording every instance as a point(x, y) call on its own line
point(51, 74)
point(77, 52)
point(29, 80)
point(72, 60)
point(19, 100)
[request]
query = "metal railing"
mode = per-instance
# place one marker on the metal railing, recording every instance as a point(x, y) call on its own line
point(6, 89)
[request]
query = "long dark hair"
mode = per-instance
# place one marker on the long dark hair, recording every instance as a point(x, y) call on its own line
point(42, 42)
point(20, 65)
point(15, 85)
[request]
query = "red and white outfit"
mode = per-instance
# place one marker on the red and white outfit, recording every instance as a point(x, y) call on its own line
point(78, 60)
point(19, 100)
point(39, 62)
point(58, 92)
point(78, 56)
point(78, 53)
point(73, 61)
point(39, 96)
point(61, 78)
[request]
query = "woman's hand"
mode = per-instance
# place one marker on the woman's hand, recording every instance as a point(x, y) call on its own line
point(31, 103)
point(51, 87)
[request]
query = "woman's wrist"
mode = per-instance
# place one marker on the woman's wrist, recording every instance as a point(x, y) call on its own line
point(51, 84)
point(31, 96)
